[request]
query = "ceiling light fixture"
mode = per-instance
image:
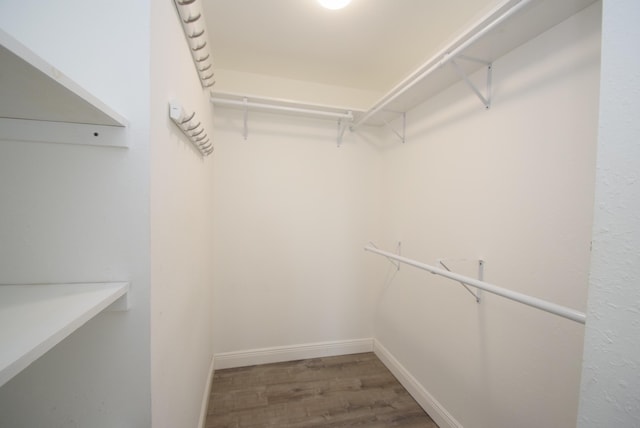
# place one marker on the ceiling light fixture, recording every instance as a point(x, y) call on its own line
point(334, 4)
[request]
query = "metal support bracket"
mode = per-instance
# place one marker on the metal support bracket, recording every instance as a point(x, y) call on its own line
point(398, 251)
point(401, 136)
point(245, 132)
point(485, 99)
point(342, 127)
point(476, 295)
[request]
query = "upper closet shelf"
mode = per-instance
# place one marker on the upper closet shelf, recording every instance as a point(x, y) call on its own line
point(35, 318)
point(250, 102)
point(508, 26)
point(34, 94)
point(343, 116)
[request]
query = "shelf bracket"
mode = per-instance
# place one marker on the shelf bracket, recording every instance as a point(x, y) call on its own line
point(480, 277)
point(485, 99)
point(400, 135)
point(245, 130)
point(342, 128)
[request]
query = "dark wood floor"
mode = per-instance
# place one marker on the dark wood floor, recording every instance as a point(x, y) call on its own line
point(344, 391)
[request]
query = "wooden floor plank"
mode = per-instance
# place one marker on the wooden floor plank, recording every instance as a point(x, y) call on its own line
point(344, 391)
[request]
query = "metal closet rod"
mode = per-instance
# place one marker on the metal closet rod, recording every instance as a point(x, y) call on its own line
point(275, 107)
point(534, 302)
point(440, 59)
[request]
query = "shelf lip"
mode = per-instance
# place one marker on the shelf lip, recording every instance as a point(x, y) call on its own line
point(36, 317)
point(62, 133)
point(92, 110)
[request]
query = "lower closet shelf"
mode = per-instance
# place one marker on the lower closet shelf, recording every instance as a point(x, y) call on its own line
point(34, 318)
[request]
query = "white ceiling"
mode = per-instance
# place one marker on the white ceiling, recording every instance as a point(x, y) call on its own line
point(369, 45)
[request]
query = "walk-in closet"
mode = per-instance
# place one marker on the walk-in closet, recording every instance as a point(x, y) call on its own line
point(414, 212)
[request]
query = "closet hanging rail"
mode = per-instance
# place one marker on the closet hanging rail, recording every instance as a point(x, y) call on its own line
point(534, 302)
point(445, 56)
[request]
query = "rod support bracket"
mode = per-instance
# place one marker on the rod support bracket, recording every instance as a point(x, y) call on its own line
point(476, 295)
point(342, 127)
point(400, 134)
point(484, 98)
point(399, 253)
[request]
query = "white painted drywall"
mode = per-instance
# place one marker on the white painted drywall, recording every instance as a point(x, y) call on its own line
point(610, 390)
point(80, 214)
point(512, 185)
point(292, 214)
point(181, 232)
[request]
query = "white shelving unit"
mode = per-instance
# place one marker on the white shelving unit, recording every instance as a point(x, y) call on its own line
point(39, 103)
point(35, 318)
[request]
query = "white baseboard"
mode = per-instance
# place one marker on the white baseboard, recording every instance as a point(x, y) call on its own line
point(430, 405)
point(279, 354)
point(207, 392)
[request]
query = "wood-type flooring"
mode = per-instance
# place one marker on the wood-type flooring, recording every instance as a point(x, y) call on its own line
point(344, 391)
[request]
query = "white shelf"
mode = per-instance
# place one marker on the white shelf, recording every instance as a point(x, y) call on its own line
point(533, 19)
point(35, 318)
point(33, 90)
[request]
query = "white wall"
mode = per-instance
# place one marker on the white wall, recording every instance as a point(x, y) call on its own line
point(293, 213)
point(181, 238)
point(512, 185)
point(80, 213)
point(611, 368)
